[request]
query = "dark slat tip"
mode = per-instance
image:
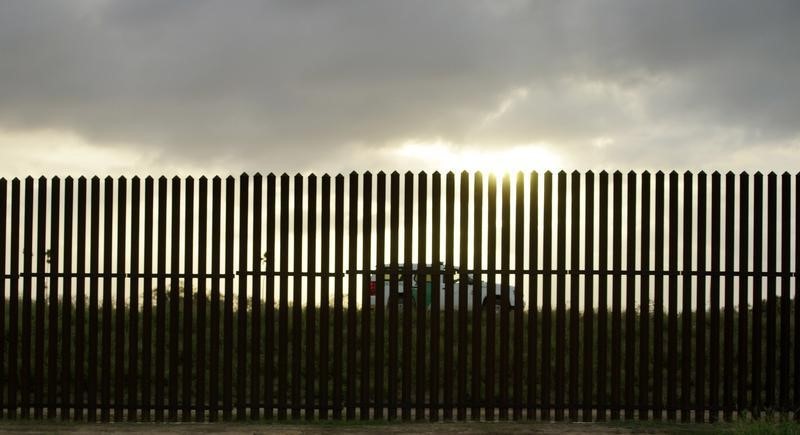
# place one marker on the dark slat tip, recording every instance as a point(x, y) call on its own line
point(702, 173)
point(562, 172)
point(604, 173)
point(436, 174)
point(715, 174)
point(312, 177)
point(162, 178)
point(203, 179)
point(617, 173)
point(271, 176)
point(338, 177)
point(68, 178)
point(786, 174)
point(631, 173)
point(230, 179)
point(771, 174)
point(422, 173)
point(217, 178)
point(381, 173)
point(57, 178)
point(42, 179)
point(576, 172)
point(149, 178)
point(730, 174)
point(395, 173)
point(673, 173)
point(326, 176)
point(353, 173)
point(243, 175)
point(744, 174)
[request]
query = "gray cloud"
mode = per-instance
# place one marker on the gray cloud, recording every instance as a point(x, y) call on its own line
point(296, 85)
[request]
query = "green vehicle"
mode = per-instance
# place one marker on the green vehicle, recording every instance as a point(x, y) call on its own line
point(432, 288)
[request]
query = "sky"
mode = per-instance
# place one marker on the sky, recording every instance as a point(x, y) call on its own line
point(112, 87)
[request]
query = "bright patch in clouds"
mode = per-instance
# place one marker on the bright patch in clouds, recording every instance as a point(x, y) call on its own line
point(52, 152)
point(448, 156)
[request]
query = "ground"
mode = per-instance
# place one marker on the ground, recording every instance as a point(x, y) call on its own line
point(415, 428)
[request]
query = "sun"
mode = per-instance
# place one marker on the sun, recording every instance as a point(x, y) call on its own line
point(490, 160)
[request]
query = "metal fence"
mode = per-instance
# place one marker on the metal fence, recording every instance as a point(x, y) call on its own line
point(187, 299)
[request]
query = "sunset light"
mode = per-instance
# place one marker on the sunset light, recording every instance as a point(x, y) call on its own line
point(442, 155)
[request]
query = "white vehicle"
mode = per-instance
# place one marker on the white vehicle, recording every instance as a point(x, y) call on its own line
point(429, 285)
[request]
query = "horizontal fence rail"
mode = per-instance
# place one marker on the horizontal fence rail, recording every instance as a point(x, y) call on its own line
point(566, 296)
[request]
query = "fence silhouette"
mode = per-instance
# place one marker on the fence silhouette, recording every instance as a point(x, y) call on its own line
point(192, 299)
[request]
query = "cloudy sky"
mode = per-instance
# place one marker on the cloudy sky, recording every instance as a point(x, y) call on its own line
point(199, 87)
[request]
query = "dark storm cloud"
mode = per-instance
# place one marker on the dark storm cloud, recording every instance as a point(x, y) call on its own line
point(296, 84)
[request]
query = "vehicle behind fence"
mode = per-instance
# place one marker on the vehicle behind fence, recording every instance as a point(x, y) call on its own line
point(575, 296)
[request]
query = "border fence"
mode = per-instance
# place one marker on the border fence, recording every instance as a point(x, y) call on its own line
point(606, 296)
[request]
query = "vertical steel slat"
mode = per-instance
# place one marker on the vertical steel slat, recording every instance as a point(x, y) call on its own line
point(645, 356)
point(533, 292)
point(672, 323)
point(41, 256)
point(588, 292)
point(491, 302)
point(700, 334)
point(338, 297)
point(352, 296)
point(119, 339)
point(214, 351)
point(297, 296)
point(283, 309)
point(228, 343)
point(202, 299)
point(477, 227)
point(602, 300)
point(436, 280)
point(241, 309)
point(188, 314)
point(713, 377)
point(519, 264)
point(630, 299)
point(269, 302)
point(324, 312)
point(54, 258)
point(422, 277)
point(408, 227)
point(394, 224)
point(93, 302)
point(311, 301)
point(729, 345)
point(686, 317)
point(380, 296)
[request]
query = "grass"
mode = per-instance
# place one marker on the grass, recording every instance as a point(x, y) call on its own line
point(272, 358)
